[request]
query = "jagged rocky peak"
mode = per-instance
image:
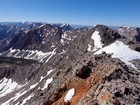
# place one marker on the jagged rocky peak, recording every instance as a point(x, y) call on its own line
point(133, 33)
point(101, 36)
point(36, 44)
point(107, 34)
point(46, 26)
point(33, 39)
point(9, 28)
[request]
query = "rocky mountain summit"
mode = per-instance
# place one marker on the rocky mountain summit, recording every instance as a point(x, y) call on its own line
point(55, 64)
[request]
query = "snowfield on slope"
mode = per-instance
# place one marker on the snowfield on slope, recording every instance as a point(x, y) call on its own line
point(26, 99)
point(29, 54)
point(15, 97)
point(121, 51)
point(97, 40)
point(7, 86)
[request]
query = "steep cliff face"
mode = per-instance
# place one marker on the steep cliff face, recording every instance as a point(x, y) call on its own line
point(52, 66)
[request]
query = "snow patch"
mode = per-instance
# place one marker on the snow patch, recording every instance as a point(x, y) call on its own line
point(17, 95)
point(47, 83)
point(65, 24)
point(51, 54)
point(52, 46)
point(28, 98)
point(41, 78)
point(62, 41)
point(124, 26)
point(49, 72)
point(65, 38)
point(41, 25)
point(33, 86)
point(121, 51)
point(97, 40)
point(7, 86)
point(89, 47)
point(30, 54)
point(69, 95)
point(63, 51)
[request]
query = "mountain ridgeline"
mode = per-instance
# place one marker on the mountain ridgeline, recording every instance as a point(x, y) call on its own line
point(56, 64)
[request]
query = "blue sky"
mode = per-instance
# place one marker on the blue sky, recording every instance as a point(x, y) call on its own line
point(84, 12)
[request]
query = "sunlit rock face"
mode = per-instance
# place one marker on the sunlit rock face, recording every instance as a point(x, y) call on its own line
point(55, 64)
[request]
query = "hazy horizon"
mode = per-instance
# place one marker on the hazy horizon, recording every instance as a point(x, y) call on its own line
point(78, 12)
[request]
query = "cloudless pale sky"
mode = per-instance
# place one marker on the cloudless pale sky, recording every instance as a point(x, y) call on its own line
point(84, 12)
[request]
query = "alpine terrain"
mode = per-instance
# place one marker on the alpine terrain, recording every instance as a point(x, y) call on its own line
point(56, 64)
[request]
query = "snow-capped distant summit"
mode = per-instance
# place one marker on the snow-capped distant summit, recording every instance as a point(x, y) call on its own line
point(124, 26)
point(64, 26)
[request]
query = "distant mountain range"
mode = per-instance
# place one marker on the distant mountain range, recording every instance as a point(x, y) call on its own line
point(8, 27)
